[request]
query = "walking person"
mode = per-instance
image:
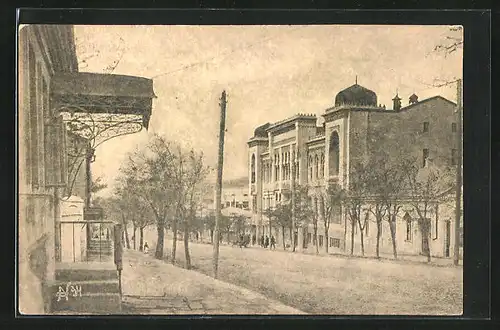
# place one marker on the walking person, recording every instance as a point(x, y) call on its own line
point(273, 242)
point(146, 248)
point(266, 244)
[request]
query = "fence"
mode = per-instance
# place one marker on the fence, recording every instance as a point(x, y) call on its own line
point(86, 241)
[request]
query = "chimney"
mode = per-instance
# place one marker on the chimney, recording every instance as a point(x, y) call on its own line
point(413, 98)
point(397, 102)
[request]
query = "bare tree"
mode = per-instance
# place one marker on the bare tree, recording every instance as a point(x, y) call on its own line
point(331, 201)
point(148, 174)
point(452, 42)
point(283, 216)
point(354, 199)
point(426, 186)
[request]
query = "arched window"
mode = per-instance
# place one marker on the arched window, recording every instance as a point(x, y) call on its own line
point(334, 154)
point(322, 166)
point(253, 168)
point(316, 166)
point(409, 233)
point(310, 168)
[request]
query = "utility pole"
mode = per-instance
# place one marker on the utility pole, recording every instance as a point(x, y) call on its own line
point(218, 188)
point(293, 197)
point(458, 191)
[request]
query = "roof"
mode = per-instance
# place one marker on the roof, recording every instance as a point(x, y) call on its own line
point(389, 111)
point(356, 95)
point(87, 83)
point(261, 130)
point(85, 92)
point(293, 119)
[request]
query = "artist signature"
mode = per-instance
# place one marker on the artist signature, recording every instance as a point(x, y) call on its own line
point(71, 290)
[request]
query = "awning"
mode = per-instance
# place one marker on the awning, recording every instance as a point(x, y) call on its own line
point(84, 92)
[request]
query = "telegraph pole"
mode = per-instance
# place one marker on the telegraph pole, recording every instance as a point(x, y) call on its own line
point(458, 191)
point(218, 188)
point(293, 198)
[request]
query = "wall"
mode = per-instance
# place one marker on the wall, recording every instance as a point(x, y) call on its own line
point(36, 211)
point(413, 246)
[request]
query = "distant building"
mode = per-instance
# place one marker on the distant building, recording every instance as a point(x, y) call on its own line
point(355, 128)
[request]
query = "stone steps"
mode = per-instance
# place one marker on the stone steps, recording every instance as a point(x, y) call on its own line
point(88, 303)
point(98, 289)
point(87, 274)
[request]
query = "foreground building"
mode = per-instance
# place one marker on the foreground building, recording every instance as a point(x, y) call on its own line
point(356, 127)
point(48, 85)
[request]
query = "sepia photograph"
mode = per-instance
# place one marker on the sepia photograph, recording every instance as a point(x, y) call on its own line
point(240, 169)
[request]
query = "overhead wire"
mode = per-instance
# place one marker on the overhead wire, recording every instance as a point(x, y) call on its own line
point(224, 55)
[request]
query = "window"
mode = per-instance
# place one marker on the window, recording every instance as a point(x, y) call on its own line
point(253, 168)
point(322, 169)
point(320, 240)
point(334, 154)
point(316, 166)
point(310, 168)
point(426, 127)
point(309, 237)
point(453, 127)
point(425, 156)
point(407, 220)
point(334, 242)
point(254, 204)
point(454, 157)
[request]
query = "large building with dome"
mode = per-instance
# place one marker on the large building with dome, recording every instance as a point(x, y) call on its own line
point(355, 127)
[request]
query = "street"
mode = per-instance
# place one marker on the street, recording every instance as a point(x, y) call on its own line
point(334, 285)
point(151, 286)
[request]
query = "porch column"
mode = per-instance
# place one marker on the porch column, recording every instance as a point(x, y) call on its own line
point(57, 224)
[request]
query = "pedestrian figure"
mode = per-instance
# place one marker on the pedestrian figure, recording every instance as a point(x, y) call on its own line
point(146, 248)
point(273, 242)
point(262, 241)
point(266, 244)
point(241, 241)
point(254, 239)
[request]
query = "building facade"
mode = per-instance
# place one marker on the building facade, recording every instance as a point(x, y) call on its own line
point(354, 129)
point(50, 84)
point(43, 51)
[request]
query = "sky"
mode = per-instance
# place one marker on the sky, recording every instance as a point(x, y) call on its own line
point(269, 73)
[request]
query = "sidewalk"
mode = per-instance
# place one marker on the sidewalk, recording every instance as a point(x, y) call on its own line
point(151, 286)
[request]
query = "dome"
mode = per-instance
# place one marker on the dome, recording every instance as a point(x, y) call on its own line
point(356, 95)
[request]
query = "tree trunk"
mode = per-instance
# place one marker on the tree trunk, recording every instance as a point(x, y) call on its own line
point(292, 239)
point(211, 236)
point(362, 239)
point(353, 226)
point(126, 237)
point(228, 237)
point(135, 237)
point(392, 227)
point(186, 245)
point(174, 239)
point(316, 243)
point(283, 236)
point(326, 240)
point(161, 237)
point(141, 241)
point(379, 233)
